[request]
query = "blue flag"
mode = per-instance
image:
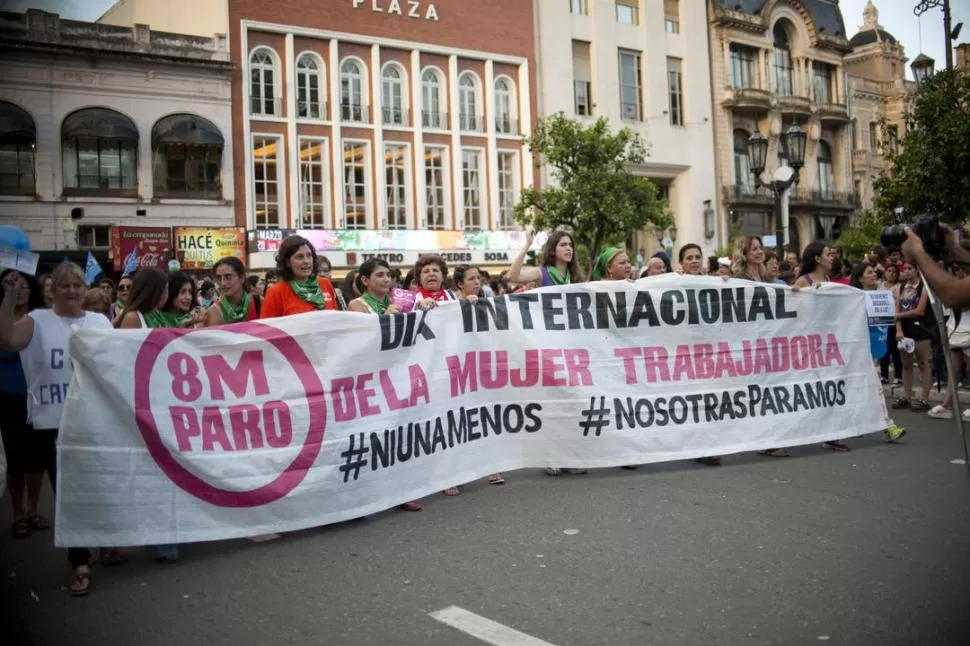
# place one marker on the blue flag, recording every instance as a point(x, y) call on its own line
point(92, 270)
point(131, 263)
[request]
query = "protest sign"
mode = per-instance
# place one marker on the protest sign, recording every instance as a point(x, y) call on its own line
point(23, 261)
point(174, 436)
point(880, 308)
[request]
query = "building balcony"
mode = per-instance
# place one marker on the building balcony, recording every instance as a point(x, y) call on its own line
point(745, 194)
point(825, 198)
point(865, 160)
point(434, 120)
point(833, 114)
point(400, 117)
point(506, 126)
point(798, 106)
point(747, 100)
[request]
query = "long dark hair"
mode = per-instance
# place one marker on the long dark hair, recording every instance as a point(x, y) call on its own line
point(146, 290)
point(349, 284)
point(289, 247)
point(233, 263)
point(36, 299)
point(687, 247)
point(855, 278)
point(809, 256)
point(549, 255)
point(176, 281)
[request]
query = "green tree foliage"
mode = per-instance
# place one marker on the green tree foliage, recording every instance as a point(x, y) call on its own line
point(593, 194)
point(857, 240)
point(929, 171)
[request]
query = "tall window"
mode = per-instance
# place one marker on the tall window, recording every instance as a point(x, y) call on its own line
point(579, 7)
point(308, 87)
point(471, 184)
point(784, 77)
point(94, 236)
point(392, 97)
point(313, 183)
point(822, 75)
point(743, 66)
point(355, 185)
point(435, 165)
point(18, 139)
point(262, 83)
point(675, 85)
point(266, 182)
point(742, 171)
point(432, 115)
point(892, 135)
point(351, 92)
point(672, 16)
point(468, 102)
point(873, 136)
point(631, 107)
point(187, 157)
point(582, 88)
point(628, 12)
point(506, 190)
point(395, 168)
point(505, 122)
point(99, 150)
point(826, 178)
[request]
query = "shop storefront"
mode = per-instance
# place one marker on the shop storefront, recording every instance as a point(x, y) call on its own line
point(146, 246)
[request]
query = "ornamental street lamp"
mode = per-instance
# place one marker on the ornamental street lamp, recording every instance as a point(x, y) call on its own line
point(784, 177)
point(922, 67)
point(708, 220)
point(926, 5)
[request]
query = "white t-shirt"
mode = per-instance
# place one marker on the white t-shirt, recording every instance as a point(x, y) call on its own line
point(47, 364)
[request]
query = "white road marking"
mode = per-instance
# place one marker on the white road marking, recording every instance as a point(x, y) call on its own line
point(958, 461)
point(488, 631)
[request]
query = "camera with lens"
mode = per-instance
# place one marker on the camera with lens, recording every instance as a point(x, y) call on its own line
point(925, 225)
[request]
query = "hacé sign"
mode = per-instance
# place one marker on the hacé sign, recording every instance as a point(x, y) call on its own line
point(409, 8)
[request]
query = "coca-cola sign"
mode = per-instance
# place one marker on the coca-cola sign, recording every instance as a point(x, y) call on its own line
point(152, 246)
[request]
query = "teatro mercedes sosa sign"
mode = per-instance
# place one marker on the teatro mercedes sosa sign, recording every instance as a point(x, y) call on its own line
point(409, 8)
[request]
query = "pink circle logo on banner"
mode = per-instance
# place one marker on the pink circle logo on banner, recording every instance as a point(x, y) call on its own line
point(291, 476)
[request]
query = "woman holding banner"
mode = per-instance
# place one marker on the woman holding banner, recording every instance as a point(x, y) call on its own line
point(559, 265)
point(42, 338)
point(236, 303)
point(300, 289)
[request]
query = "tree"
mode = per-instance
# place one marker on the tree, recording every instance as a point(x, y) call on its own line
point(929, 169)
point(857, 240)
point(594, 194)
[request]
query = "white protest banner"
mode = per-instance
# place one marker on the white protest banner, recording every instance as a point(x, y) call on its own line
point(880, 308)
point(23, 261)
point(174, 436)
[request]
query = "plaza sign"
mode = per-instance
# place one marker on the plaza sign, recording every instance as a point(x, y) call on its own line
point(409, 8)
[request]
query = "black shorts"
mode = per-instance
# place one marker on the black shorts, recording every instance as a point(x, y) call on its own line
point(28, 450)
point(917, 330)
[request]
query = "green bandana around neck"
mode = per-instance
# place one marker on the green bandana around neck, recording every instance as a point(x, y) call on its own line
point(556, 277)
point(379, 306)
point(165, 318)
point(604, 259)
point(231, 314)
point(308, 291)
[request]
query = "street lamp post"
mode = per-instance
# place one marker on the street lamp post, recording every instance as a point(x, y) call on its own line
point(926, 5)
point(922, 67)
point(784, 178)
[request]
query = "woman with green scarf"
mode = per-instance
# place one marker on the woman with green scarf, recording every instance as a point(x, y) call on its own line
point(301, 290)
point(557, 267)
point(612, 264)
point(236, 304)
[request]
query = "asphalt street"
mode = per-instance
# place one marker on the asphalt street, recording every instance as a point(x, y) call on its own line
point(866, 547)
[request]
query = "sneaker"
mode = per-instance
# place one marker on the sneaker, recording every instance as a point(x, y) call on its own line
point(938, 412)
point(894, 432)
point(884, 381)
point(897, 382)
point(901, 404)
point(709, 461)
point(966, 415)
point(550, 471)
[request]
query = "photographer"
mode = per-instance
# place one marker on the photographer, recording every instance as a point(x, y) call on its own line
point(953, 292)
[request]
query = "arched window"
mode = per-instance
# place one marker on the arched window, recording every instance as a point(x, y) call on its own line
point(351, 92)
point(784, 76)
point(432, 115)
point(308, 87)
point(826, 178)
point(393, 99)
point(99, 149)
point(187, 157)
point(742, 169)
point(468, 102)
point(263, 93)
point(18, 139)
point(505, 121)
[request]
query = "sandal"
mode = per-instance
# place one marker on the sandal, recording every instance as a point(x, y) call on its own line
point(83, 581)
point(410, 506)
point(496, 479)
point(901, 404)
point(451, 491)
point(836, 446)
point(775, 453)
point(21, 528)
point(38, 522)
point(111, 558)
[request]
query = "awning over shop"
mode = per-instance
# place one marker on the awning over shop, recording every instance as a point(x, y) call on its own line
point(99, 122)
point(186, 129)
point(16, 125)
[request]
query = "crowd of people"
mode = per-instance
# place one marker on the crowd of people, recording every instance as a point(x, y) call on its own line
point(37, 318)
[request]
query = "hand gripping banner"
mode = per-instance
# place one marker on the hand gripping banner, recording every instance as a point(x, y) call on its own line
point(174, 436)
